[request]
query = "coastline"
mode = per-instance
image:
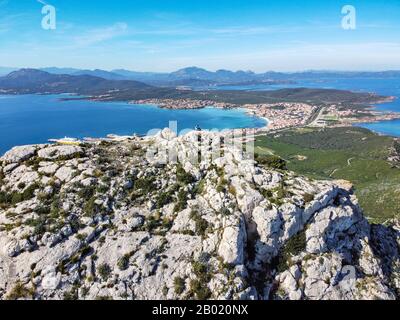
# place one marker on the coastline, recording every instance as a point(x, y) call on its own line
point(254, 111)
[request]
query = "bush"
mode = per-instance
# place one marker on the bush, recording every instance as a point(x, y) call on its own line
point(104, 271)
point(397, 146)
point(86, 192)
point(5, 198)
point(21, 185)
point(20, 292)
point(183, 177)
point(308, 197)
point(200, 290)
point(179, 285)
point(225, 212)
point(271, 161)
point(16, 198)
point(2, 177)
point(123, 262)
point(200, 224)
point(90, 208)
point(294, 246)
point(163, 199)
point(39, 225)
point(182, 201)
point(200, 269)
point(29, 192)
point(199, 188)
point(145, 185)
point(232, 190)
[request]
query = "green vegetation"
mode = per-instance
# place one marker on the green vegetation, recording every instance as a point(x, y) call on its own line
point(199, 287)
point(123, 262)
point(182, 201)
point(396, 146)
point(294, 246)
point(351, 153)
point(104, 271)
point(199, 290)
point(179, 285)
point(13, 198)
point(199, 188)
point(1, 177)
point(20, 291)
point(271, 161)
point(201, 224)
point(183, 177)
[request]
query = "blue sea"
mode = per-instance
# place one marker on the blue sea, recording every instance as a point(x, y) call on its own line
point(381, 86)
point(32, 119)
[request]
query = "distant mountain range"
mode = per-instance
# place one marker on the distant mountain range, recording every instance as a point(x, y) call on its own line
point(37, 81)
point(194, 76)
point(32, 81)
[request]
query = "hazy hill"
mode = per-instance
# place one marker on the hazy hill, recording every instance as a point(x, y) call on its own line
point(36, 81)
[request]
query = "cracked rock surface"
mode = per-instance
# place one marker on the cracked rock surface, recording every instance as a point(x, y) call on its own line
point(103, 221)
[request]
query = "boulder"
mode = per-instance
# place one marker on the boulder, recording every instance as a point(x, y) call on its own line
point(55, 152)
point(19, 154)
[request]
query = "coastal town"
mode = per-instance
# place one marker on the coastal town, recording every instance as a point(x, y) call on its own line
point(284, 115)
point(185, 103)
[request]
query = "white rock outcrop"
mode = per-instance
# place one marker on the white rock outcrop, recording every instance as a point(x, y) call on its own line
point(106, 220)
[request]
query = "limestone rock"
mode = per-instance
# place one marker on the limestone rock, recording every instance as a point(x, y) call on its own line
point(18, 154)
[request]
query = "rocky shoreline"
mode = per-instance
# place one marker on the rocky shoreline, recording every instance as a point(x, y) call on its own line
point(105, 221)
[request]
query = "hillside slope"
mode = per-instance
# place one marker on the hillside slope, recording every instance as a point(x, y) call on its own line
point(103, 221)
point(36, 81)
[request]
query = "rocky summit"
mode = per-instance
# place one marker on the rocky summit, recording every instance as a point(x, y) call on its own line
point(105, 221)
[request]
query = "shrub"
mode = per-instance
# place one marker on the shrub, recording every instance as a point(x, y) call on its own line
point(21, 185)
point(29, 192)
point(145, 185)
point(225, 212)
point(396, 146)
point(104, 271)
point(200, 224)
point(20, 292)
point(200, 290)
point(123, 262)
point(91, 208)
point(153, 222)
point(294, 246)
point(182, 201)
point(232, 190)
point(39, 225)
point(183, 177)
point(308, 197)
point(86, 192)
point(271, 161)
point(199, 188)
point(5, 198)
point(16, 198)
point(163, 199)
point(200, 269)
point(179, 285)
point(2, 177)
point(102, 188)
point(71, 295)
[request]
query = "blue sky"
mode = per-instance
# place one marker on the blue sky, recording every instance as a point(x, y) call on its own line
point(153, 35)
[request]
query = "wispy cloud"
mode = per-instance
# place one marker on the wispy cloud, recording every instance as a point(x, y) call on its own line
point(99, 35)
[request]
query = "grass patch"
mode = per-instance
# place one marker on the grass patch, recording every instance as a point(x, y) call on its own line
point(352, 153)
